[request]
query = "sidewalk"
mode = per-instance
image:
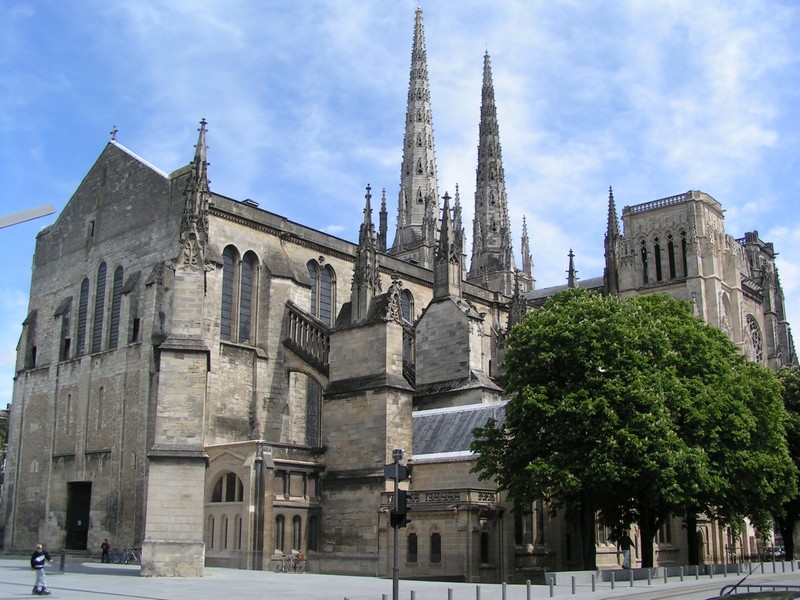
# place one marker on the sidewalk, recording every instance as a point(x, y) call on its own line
point(95, 581)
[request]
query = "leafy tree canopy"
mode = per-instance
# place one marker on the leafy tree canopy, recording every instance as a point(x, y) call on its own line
point(637, 410)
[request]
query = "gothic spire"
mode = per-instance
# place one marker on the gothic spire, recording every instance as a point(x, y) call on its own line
point(383, 220)
point(447, 262)
point(492, 255)
point(611, 272)
point(366, 277)
point(418, 196)
point(572, 274)
point(194, 222)
point(527, 257)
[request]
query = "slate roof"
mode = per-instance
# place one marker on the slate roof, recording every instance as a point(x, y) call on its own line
point(449, 430)
point(592, 283)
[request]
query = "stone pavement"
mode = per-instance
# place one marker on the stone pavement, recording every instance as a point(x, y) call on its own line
point(95, 581)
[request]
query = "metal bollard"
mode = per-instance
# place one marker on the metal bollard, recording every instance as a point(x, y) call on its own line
point(63, 562)
point(413, 594)
point(384, 597)
point(527, 589)
point(666, 575)
point(696, 572)
point(612, 580)
point(594, 588)
point(573, 585)
point(503, 594)
point(630, 576)
point(649, 577)
point(681, 573)
point(477, 592)
point(711, 571)
point(449, 593)
point(551, 588)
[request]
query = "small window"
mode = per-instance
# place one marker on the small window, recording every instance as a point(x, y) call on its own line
point(436, 548)
point(411, 548)
point(228, 488)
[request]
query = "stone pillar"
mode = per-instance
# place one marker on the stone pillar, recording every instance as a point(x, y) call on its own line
point(174, 510)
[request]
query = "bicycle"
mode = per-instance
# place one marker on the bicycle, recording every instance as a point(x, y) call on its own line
point(286, 563)
point(129, 556)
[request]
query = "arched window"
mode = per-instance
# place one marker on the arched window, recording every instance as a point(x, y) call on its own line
point(230, 258)
point(407, 306)
point(116, 305)
point(99, 309)
point(671, 256)
point(684, 255)
point(228, 488)
point(297, 530)
point(280, 523)
point(657, 258)
point(247, 297)
point(754, 338)
point(411, 548)
point(436, 548)
point(238, 532)
point(323, 291)
point(643, 253)
point(83, 313)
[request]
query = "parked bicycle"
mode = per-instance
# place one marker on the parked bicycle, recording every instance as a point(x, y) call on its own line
point(286, 563)
point(128, 556)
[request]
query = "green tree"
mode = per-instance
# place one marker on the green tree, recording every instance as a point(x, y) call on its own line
point(626, 409)
point(789, 512)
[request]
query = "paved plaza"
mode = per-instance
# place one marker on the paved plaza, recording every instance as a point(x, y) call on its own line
point(94, 581)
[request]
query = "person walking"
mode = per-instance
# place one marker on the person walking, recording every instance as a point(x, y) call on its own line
point(105, 547)
point(39, 557)
point(624, 543)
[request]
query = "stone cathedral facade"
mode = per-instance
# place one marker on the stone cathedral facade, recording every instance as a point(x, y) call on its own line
point(214, 382)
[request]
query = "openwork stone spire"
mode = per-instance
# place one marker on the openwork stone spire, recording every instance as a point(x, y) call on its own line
point(366, 277)
point(612, 240)
point(418, 197)
point(447, 263)
point(492, 256)
point(194, 222)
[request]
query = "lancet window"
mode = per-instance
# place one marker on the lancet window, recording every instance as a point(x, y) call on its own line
point(323, 291)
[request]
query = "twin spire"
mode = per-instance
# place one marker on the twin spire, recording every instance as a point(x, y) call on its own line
point(418, 230)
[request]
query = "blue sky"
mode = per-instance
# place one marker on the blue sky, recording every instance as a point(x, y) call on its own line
point(305, 102)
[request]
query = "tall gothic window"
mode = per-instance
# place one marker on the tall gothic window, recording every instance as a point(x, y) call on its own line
point(643, 252)
point(99, 309)
point(116, 305)
point(247, 297)
point(407, 306)
point(671, 256)
point(657, 258)
point(754, 334)
point(684, 256)
point(436, 548)
point(229, 263)
point(411, 548)
point(239, 296)
point(83, 314)
point(323, 291)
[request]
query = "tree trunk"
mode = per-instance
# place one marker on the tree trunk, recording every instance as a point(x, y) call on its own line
point(647, 530)
point(691, 538)
point(787, 527)
point(587, 529)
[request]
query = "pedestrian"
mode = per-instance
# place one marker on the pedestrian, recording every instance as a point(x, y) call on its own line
point(38, 559)
point(105, 547)
point(624, 543)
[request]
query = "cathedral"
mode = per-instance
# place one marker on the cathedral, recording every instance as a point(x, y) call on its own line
point(215, 383)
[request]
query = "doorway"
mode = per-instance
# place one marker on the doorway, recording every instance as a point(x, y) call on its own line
point(79, 500)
